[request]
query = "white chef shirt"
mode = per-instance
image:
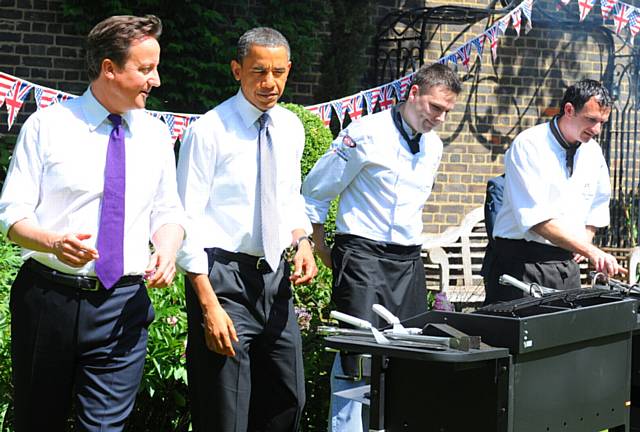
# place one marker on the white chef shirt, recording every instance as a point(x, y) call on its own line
point(538, 186)
point(382, 186)
point(56, 178)
point(218, 180)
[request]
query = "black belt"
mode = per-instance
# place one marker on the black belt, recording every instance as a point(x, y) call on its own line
point(84, 283)
point(258, 263)
point(377, 248)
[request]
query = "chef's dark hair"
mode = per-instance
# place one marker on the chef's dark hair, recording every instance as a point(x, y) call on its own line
point(580, 93)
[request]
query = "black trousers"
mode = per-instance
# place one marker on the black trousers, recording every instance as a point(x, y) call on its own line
point(262, 387)
point(530, 262)
point(71, 344)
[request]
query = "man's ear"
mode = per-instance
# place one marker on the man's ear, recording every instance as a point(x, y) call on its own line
point(108, 68)
point(236, 69)
point(569, 109)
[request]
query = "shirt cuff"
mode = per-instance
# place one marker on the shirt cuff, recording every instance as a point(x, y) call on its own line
point(316, 210)
point(193, 262)
point(10, 217)
point(530, 217)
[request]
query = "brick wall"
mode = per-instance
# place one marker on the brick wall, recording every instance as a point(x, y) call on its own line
point(38, 45)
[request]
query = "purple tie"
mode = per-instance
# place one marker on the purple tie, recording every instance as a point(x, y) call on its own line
point(110, 265)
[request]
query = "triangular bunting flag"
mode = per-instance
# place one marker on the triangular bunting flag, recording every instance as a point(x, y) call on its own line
point(527, 6)
point(397, 86)
point(371, 98)
point(464, 54)
point(493, 34)
point(606, 6)
point(15, 98)
point(405, 82)
point(621, 16)
point(478, 43)
point(355, 106)
point(386, 97)
point(634, 22)
point(6, 82)
point(339, 109)
point(516, 21)
point(503, 24)
point(561, 4)
point(585, 7)
point(45, 96)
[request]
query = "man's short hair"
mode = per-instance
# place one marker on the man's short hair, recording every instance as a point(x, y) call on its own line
point(435, 75)
point(111, 39)
point(580, 93)
point(262, 36)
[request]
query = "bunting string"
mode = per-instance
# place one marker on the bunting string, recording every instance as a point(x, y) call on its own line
point(14, 91)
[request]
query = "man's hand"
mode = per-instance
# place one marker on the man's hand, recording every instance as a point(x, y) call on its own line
point(70, 249)
point(606, 263)
point(161, 269)
point(304, 264)
point(219, 332)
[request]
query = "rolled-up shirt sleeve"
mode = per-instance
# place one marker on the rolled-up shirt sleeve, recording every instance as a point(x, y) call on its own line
point(333, 172)
point(527, 187)
point(21, 190)
point(294, 207)
point(195, 172)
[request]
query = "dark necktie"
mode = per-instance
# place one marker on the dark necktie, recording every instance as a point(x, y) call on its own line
point(110, 265)
point(570, 149)
point(414, 143)
point(268, 204)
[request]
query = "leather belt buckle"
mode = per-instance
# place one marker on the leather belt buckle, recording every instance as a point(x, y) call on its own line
point(92, 286)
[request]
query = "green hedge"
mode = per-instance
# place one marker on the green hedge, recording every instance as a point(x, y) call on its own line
point(162, 403)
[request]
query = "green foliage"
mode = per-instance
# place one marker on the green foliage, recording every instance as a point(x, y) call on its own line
point(199, 39)
point(343, 63)
point(10, 262)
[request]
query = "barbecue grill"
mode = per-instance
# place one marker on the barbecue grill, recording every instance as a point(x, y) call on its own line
point(561, 362)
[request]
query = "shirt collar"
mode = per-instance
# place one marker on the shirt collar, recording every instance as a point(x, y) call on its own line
point(249, 113)
point(96, 114)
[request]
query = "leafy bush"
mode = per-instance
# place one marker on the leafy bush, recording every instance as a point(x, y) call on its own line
point(162, 403)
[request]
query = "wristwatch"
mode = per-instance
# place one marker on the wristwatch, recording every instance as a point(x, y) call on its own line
point(307, 238)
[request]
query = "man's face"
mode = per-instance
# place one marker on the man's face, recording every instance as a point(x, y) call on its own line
point(262, 75)
point(428, 110)
point(587, 123)
point(132, 82)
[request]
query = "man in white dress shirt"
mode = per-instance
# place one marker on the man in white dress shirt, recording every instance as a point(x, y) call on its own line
point(556, 195)
point(383, 167)
point(239, 179)
point(79, 305)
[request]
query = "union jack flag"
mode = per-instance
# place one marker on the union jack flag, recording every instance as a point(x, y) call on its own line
point(398, 88)
point(371, 98)
point(156, 114)
point(585, 7)
point(516, 21)
point(339, 108)
point(478, 43)
point(6, 82)
point(562, 3)
point(15, 98)
point(325, 114)
point(45, 96)
point(464, 54)
point(493, 34)
point(355, 106)
point(386, 97)
point(526, 7)
point(621, 16)
point(606, 6)
point(634, 22)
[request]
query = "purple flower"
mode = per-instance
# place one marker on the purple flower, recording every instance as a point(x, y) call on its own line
point(304, 317)
point(172, 321)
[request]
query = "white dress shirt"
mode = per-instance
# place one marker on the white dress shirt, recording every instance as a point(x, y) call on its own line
point(538, 186)
point(382, 186)
point(219, 186)
point(56, 178)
